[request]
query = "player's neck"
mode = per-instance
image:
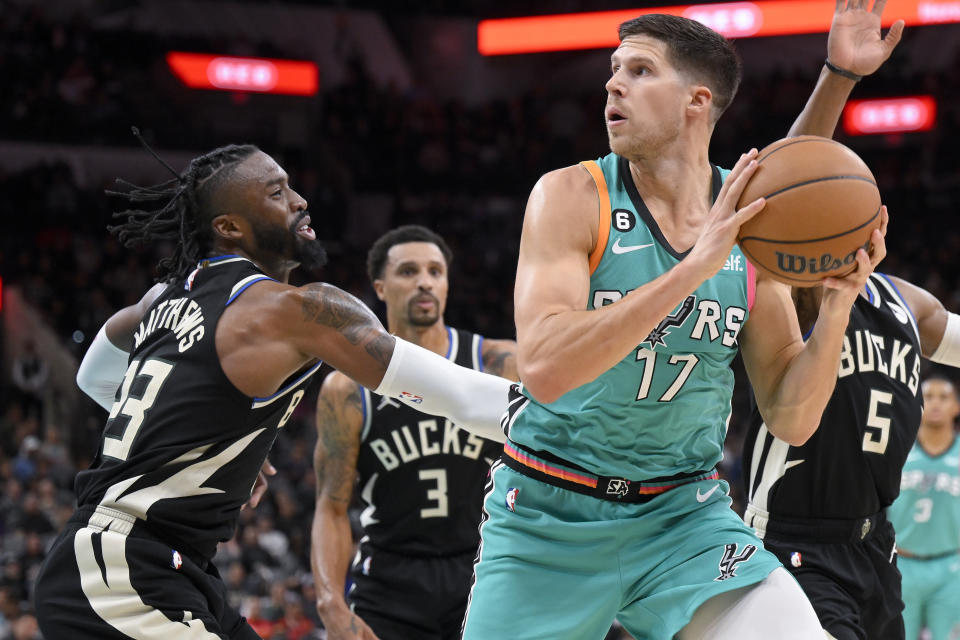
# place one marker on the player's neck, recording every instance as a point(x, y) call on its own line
point(935, 439)
point(435, 337)
point(279, 271)
point(674, 180)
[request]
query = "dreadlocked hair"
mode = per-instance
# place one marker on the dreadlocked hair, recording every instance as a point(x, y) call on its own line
point(180, 210)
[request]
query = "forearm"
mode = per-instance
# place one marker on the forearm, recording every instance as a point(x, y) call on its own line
point(825, 106)
point(794, 409)
point(432, 384)
point(331, 545)
point(567, 349)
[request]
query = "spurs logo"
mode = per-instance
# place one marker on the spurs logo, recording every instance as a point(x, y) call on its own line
point(730, 560)
point(673, 320)
point(618, 487)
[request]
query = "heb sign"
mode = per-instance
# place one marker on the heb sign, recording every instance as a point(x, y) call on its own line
point(260, 75)
point(889, 115)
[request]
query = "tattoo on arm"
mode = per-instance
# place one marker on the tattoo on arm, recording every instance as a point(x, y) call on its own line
point(329, 306)
point(337, 445)
point(496, 360)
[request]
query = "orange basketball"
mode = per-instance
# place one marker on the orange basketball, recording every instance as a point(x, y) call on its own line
point(822, 205)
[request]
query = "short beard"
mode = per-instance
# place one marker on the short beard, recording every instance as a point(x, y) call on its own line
point(416, 320)
point(279, 243)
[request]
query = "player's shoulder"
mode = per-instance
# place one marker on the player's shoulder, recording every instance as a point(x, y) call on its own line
point(574, 180)
point(338, 385)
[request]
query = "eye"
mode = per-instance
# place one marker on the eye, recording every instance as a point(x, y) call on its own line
point(277, 193)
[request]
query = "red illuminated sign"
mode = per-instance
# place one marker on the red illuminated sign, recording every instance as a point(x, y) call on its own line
point(890, 115)
point(261, 75)
point(735, 20)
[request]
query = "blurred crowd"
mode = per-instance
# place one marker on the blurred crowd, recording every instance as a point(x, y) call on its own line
point(373, 158)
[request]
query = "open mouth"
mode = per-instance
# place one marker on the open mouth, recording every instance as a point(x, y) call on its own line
point(615, 117)
point(305, 230)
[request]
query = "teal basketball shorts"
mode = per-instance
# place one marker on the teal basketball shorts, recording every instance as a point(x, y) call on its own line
point(931, 592)
point(558, 564)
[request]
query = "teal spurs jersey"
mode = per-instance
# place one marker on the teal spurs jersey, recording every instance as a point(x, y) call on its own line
point(926, 515)
point(663, 409)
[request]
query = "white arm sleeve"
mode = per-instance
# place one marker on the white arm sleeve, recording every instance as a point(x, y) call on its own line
point(430, 383)
point(948, 352)
point(102, 370)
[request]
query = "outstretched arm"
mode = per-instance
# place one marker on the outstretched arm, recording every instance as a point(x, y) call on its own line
point(339, 424)
point(854, 45)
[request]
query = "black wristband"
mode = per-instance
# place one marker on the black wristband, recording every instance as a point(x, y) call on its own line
point(849, 75)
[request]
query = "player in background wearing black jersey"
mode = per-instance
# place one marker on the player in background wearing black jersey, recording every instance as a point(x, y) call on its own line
point(220, 355)
point(421, 478)
point(821, 507)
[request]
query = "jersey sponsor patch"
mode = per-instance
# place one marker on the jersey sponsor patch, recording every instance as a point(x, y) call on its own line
point(511, 499)
point(731, 559)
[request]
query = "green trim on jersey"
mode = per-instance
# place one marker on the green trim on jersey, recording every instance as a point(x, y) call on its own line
point(664, 408)
point(926, 516)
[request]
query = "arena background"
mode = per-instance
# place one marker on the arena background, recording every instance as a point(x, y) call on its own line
point(409, 125)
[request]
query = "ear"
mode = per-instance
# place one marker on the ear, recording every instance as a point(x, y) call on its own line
point(701, 100)
point(378, 289)
point(228, 226)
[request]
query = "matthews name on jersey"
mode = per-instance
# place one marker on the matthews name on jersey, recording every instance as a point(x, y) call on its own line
point(850, 467)
point(422, 477)
point(182, 446)
point(662, 410)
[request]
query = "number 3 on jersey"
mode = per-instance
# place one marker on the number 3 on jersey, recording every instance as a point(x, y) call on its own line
point(137, 395)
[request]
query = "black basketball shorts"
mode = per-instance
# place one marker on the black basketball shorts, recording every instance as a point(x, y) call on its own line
point(411, 598)
point(106, 579)
point(854, 586)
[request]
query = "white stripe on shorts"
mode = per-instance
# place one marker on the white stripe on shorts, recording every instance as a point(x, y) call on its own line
point(114, 599)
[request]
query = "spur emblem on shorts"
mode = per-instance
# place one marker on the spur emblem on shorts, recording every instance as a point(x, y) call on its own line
point(730, 560)
point(618, 487)
point(511, 499)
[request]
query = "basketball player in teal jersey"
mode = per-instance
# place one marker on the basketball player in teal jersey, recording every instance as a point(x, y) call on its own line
point(926, 517)
point(630, 301)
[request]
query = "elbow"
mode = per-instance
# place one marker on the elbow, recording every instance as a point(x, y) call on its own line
point(541, 382)
point(794, 430)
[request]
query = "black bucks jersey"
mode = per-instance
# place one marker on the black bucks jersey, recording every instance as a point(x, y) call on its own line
point(182, 447)
point(850, 467)
point(422, 477)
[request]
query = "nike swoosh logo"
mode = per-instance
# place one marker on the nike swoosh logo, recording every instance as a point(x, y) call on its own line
point(617, 249)
point(702, 497)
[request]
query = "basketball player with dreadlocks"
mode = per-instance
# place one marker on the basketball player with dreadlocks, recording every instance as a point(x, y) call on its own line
point(220, 354)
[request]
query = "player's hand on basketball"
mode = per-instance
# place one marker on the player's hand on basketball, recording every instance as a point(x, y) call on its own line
point(855, 42)
point(849, 286)
point(260, 486)
point(719, 233)
point(347, 626)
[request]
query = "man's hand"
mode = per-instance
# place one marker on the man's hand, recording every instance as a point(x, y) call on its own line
point(846, 289)
point(854, 42)
point(346, 625)
point(260, 486)
point(724, 221)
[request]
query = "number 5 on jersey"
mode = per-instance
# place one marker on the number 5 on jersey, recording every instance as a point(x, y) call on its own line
point(137, 395)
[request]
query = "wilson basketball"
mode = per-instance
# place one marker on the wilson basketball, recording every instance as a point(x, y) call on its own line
point(822, 205)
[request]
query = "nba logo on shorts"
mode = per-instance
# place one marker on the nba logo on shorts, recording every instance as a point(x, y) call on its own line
point(795, 559)
point(511, 499)
point(176, 560)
